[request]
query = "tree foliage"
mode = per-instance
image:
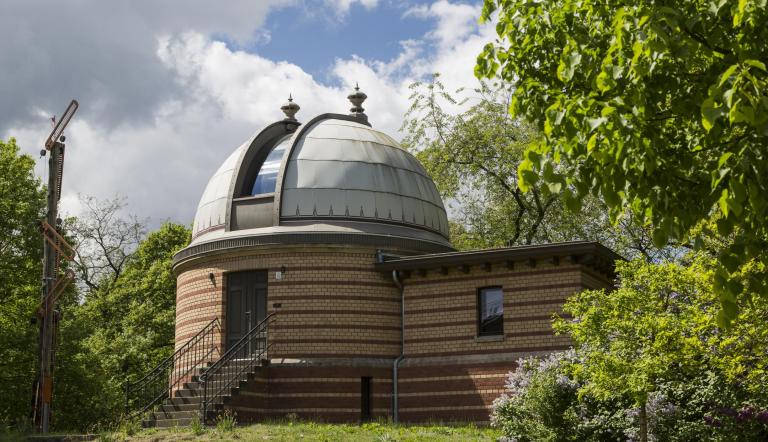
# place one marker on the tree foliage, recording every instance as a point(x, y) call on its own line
point(473, 154)
point(650, 351)
point(22, 205)
point(657, 333)
point(123, 329)
point(661, 109)
point(472, 148)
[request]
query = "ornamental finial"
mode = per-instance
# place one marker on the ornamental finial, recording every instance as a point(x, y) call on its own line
point(357, 98)
point(290, 108)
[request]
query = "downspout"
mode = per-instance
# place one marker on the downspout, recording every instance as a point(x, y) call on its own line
point(400, 358)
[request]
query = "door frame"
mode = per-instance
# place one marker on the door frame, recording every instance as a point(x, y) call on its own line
point(255, 284)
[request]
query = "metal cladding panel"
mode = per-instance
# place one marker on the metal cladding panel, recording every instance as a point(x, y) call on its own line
point(212, 209)
point(339, 173)
point(359, 173)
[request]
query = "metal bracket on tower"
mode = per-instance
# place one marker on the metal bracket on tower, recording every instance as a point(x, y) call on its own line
point(54, 238)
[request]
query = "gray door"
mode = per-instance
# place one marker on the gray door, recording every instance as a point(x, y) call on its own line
point(246, 306)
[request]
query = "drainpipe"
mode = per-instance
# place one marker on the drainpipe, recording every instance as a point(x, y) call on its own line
point(400, 358)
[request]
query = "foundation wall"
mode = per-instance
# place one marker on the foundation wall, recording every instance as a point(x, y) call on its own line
point(327, 394)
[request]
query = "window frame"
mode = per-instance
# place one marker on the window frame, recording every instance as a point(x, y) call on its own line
point(479, 319)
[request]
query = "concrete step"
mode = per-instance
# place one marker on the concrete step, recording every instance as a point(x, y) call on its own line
point(186, 393)
point(228, 372)
point(167, 423)
point(183, 400)
point(179, 407)
point(184, 406)
point(160, 415)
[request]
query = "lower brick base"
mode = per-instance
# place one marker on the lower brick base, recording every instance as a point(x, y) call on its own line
point(457, 393)
point(327, 394)
point(454, 393)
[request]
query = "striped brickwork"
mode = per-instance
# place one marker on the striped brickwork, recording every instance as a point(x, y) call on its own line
point(337, 319)
point(441, 310)
point(330, 394)
point(450, 393)
point(330, 303)
point(452, 375)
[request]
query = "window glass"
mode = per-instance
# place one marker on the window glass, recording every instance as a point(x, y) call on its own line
point(266, 179)
point(490, 311)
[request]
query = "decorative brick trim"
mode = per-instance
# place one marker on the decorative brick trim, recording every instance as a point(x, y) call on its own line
point(319, 313)
point(345, 283)
point(325, 326)
point(491, 351)
point(197, 306)
point(306, 355)
point(334, 297)
point(483, 275)
point(364, 341)
point(421, 325)
point(198, 319)
point(440, 309)
point(535, 302)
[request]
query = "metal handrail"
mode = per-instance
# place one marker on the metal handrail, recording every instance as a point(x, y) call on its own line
point(245, 354)
point(159, 382)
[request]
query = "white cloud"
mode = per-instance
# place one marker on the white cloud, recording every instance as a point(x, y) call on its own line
point(162, 161)
point(455, 21)
point(342, 6)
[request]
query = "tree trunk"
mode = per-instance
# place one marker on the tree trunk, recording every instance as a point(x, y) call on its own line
point(643, 422)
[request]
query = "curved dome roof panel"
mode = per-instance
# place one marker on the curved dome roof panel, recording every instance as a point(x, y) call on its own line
point(346, 169)
point(212, 208)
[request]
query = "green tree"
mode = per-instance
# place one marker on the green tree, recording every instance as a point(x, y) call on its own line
point(661, 109)
point(657, 332)
point(123, 328)
point(472, 148)
point(22, 205)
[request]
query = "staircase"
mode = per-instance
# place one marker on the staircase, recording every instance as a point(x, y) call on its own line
point(187, 402)
point(178, 410)
point(201, 389)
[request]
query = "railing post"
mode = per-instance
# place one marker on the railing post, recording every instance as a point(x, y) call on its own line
point(204, 403)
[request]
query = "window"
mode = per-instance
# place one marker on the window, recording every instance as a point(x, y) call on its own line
point(490, 311)
point(266, 179)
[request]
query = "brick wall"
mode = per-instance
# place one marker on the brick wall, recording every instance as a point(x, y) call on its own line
point(339, 319)
point(330, 394)
point(332, 303)
point(441, 310)
point(451, 375)
point(450, 393)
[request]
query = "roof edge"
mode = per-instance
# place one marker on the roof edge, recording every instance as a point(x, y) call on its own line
point(375, 241)
point(575, 249)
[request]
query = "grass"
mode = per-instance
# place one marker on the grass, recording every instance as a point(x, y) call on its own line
point(311, 431)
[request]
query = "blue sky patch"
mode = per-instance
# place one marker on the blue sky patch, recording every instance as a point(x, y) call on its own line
point(311, 36)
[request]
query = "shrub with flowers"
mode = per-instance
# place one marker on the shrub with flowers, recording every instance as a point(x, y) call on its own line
point(650, 364)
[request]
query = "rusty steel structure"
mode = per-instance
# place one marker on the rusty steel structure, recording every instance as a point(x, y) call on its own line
point(55, 249)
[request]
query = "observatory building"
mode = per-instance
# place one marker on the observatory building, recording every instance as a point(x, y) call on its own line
point(321, 283)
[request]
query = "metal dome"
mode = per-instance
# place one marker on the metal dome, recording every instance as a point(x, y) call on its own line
point(338, 176)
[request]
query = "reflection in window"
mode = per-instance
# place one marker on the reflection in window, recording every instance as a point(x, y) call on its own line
point(490, 308)
point(267, 177)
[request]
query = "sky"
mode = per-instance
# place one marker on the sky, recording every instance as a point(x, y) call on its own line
point(169, 88)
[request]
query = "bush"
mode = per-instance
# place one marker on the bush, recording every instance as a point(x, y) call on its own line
point(541, 403)
point(538, 403)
